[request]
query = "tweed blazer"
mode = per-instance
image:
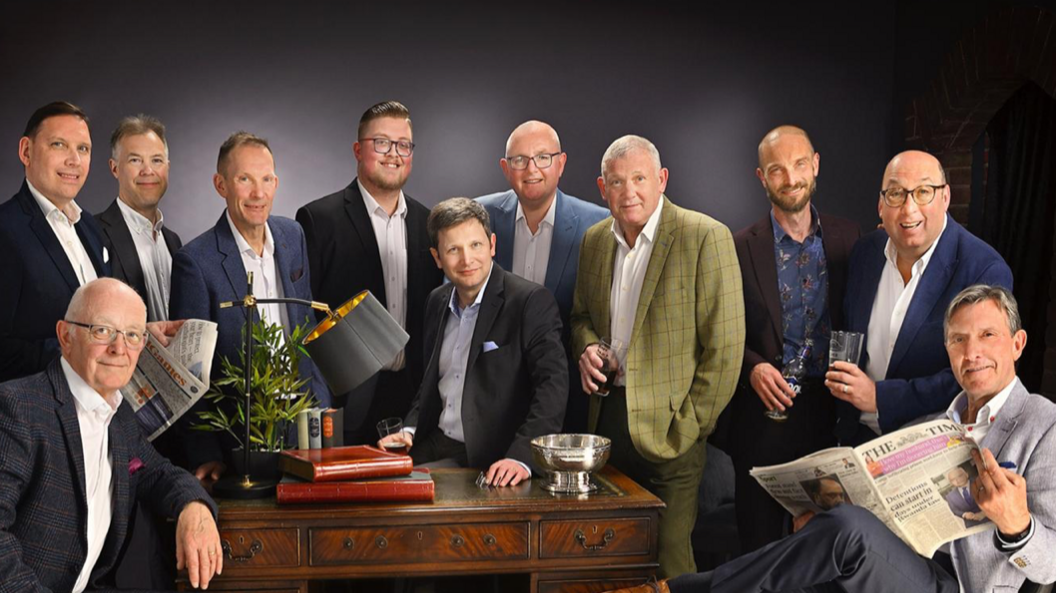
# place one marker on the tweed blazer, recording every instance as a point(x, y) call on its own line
point(687, 342)
point(43, 508)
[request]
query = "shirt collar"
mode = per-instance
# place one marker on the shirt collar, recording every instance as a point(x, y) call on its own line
point(892, 254)
point(51, 210)
point(373, 207)
point(649, 231)
point(453, 303)
point(243, 245)
point(548, 219)
point(87, 398)
point(988, 413)
point(137, 221)
point(815, 225)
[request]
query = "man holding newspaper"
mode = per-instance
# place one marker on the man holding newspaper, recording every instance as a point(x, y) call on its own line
point(849, 549)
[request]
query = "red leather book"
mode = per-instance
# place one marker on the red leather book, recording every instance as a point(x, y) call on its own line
point(416, 487)
point(344, 463)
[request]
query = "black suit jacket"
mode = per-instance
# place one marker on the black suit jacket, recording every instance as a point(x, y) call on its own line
point(36, 283)
point(344, 260)
point(43, 506)
point(512, 393)
point(124, 259)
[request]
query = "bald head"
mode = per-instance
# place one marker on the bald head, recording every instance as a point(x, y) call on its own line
point(775, 135)
point(913, 226)
point(925, 167)
point(788, 169)
point(103, 293)
point(534, 129)
point(535, 184)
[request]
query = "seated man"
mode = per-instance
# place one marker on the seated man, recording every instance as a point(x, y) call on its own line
point(849, 549)
point(73, 461)
point(496, 376)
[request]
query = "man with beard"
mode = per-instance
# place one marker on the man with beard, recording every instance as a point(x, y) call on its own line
point(371, 236)
point(794, 269)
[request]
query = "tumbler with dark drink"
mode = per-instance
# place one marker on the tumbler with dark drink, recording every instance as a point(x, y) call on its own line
point(608, 352)
point(392, 426)
point(400, 448)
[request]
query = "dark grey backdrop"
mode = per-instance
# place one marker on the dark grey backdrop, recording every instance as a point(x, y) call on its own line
point(703, 83)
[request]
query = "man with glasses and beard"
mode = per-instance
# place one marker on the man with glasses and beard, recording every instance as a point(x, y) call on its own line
point(794, 269)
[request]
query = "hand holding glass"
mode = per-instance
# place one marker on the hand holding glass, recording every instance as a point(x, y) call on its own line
point(392, 426)
point(845, 347)
point(608, 351)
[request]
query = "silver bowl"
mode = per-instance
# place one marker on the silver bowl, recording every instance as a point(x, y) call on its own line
point(569, 459)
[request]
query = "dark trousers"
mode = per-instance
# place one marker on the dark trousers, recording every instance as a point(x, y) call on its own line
point(438, 450)
point(844, 550)
point(675, 481)
point(385, 395)
point(759, 441)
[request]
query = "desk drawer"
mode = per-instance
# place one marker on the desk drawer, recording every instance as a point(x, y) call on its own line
point(260, 547)
point(434, 543)
point(602, 537)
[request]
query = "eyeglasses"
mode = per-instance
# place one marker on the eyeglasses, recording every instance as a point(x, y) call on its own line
point(923, 195)
point(542, 161)
point(104, 334)
point(383, 145)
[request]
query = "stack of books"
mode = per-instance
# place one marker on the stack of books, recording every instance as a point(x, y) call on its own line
point(351, 474)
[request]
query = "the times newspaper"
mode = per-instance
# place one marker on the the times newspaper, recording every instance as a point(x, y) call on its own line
point(913, 480)
point(168, 381)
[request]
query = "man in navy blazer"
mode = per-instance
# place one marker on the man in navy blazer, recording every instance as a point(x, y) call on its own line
point(901, 279)
point(539, 228)
point(212, 269)
point(39, 273)
point(74, 461)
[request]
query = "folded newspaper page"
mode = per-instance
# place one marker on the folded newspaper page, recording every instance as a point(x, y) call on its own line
point(168, 381)
point(915, 480)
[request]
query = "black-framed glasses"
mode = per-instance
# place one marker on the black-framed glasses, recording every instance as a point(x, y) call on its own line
point(542, 161)
point(384, 145)
point(923, 195)
point(104, 334)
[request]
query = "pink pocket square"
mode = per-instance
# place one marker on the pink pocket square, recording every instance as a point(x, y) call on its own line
point(135, 465)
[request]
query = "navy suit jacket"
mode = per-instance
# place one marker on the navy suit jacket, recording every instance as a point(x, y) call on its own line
point(208, 271)
point(124, 258)
point(43, 508)
point(512, 393)
point(36, 283)
point(919, 380)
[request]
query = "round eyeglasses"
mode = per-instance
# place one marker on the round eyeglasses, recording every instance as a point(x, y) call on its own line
point(104, 334)
point(923, 195)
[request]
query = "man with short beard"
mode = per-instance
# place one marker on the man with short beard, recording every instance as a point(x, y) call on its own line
point(794, 269)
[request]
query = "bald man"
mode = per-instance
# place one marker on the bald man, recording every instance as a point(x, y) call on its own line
point(901, 279)
point(539, 228)
point(794, 269)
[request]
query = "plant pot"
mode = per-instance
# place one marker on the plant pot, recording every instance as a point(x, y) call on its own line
point(263, 465)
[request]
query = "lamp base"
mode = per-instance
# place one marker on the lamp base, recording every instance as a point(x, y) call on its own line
point(243, 488)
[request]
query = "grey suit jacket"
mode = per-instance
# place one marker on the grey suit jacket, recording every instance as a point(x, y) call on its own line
point(1024, 433)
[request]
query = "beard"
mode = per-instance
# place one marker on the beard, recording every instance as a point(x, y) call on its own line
point(791, 205)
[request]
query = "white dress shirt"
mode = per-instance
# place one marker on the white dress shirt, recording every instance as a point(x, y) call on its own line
point(391, 235)
point(985, 417)
point(454, 357)
point(531, 252)
point(94, 414)
point(265, 276)
point(154, 259)
point(628, 275)
point(893, 297)
point(62, 226)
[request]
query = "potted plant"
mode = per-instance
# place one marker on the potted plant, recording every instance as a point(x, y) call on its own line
point(279, 394)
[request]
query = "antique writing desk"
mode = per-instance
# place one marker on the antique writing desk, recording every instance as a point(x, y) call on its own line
point(562, 543)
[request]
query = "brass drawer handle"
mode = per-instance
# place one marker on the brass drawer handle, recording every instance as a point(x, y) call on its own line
point(489, 539)
point(457, 541)
point(255, 548)
point(381, 542)
point(349, 543)
point(606, 537)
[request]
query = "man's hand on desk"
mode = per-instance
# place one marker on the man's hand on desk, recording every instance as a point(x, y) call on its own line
point(506, 472)
point(403, 437)
point(198, 546)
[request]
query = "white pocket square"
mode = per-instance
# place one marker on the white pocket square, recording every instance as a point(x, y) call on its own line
point(106, 255)
point(489, 346)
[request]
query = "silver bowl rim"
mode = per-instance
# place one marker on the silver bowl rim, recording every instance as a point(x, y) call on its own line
point(603, 442)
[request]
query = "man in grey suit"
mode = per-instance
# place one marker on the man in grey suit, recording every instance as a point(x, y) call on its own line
point(538, 229)
point(849, 549)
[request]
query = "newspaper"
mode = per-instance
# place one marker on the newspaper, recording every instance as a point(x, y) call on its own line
point(913, 480)
point(168, 381)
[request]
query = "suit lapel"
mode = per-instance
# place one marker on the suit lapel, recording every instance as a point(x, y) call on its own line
point(232, 259)
point(93, 245)
point(1007, 419)
point(357, 213)
point(661, 248)
point(490, 306)
point(415, 227)
point(40, 227)
point(172, 240)
point(120, 493)
point(505, 225)
point(284, 268)
point(124, 246)
point(863, 303)
point(565, 222)
point(71, 431)
point(761, 252)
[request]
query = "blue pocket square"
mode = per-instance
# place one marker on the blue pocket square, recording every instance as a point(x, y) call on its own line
point(489, 346)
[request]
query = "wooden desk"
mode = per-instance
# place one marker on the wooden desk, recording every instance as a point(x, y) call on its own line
point(564, 543)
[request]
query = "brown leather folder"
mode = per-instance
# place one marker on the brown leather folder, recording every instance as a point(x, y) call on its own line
point(344, 463)
point(416, 487)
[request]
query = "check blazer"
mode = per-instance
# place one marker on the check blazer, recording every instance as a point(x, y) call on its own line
point(687, 342)
point(43, 508)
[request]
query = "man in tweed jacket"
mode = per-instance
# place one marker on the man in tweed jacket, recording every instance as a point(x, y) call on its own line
point(665, 281)
point(73, 460)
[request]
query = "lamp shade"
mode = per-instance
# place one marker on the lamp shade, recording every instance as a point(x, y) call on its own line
point(355, 343)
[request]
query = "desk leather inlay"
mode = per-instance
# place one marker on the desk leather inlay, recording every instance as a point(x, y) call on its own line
point(418, 543)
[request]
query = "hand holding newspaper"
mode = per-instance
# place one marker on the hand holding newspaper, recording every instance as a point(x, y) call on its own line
point(916, 480)
point(168, 381)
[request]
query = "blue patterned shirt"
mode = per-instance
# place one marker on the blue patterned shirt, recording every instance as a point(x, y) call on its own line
point(803, 289)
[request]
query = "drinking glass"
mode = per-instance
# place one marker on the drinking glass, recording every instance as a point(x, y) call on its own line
point(392, 426)
point(845, 346)
point(609, 350)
